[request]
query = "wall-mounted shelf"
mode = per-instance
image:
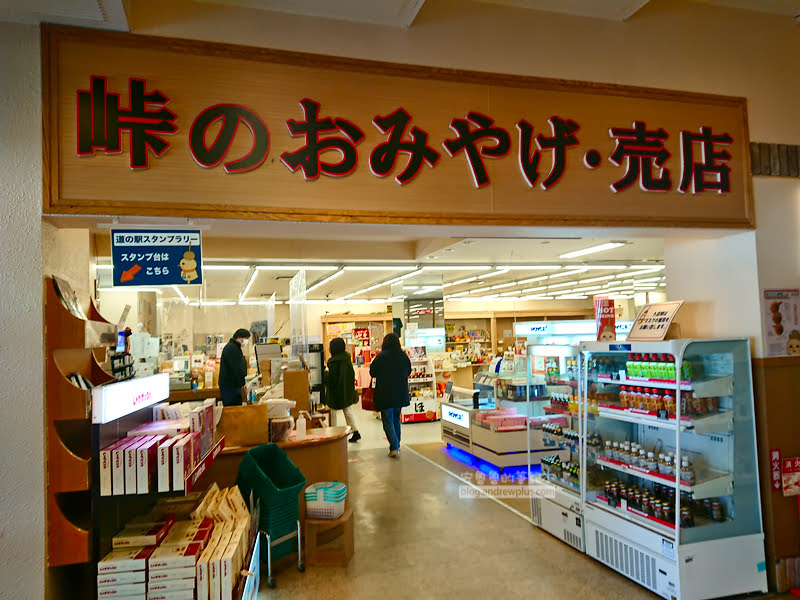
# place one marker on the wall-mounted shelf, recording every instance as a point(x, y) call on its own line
point(69, 457)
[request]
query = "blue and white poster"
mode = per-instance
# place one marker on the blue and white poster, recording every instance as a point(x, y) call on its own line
point(155, 258)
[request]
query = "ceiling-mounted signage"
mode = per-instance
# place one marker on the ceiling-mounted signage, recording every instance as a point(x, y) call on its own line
point(156, 257)
point(141, 130)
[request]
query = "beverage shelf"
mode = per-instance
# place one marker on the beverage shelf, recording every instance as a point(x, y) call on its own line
point(561, 483)
point(710, 423)
point(721, 386)
point(709, 482)
point(636, 516)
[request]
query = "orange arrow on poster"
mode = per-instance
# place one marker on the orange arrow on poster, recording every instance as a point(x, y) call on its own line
point(128, 275)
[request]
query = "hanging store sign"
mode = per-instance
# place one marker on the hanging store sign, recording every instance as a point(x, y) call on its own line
point(113, 401)
point(140, 129)
point(156, 258)
point(653, 321)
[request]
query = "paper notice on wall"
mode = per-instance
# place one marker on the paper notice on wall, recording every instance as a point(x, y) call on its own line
point(605, 317)
point(781, 321)
point(790, 476)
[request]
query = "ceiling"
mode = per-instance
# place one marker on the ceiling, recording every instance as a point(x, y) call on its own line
point(110, 14)
point(466, 269)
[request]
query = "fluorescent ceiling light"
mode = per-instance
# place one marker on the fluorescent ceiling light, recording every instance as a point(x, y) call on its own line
point(410, 287)
point(206, 267)
point(654, 267)
point(253, 276)
point(603, 267)
point(503, 285)
point(217, 303)
point(294, 268)
point(514, 293)
point(180, 293)
point(396, 298)
point(454, 268)
point(568, 273)
point(103, 267)
point(382, 268)
point(131, 288)
point(467, 280)
point(593, 279)
point(649, 279)
point(662, 285)
point(492, 274)
point(479, 290)
point(592, 250)
point(530, 267)
point(561, 285)
point(571, 297)
point(324, 281)
point(459, 294)
point(407, 275)
point(532, 279)
point(536, 289)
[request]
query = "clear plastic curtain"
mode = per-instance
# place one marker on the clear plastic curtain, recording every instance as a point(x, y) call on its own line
point(271, 316)
point(297, 314)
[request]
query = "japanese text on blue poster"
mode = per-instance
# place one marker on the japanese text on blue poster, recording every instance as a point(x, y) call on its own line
point(155, 258)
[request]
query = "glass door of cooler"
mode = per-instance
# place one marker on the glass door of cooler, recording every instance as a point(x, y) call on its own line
point(671, 437)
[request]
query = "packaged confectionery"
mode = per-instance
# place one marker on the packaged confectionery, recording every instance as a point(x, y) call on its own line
point(118, 467)
point(215, 575)
point(170, 574)
point(227, 570)
point(133, 536)
point(165, 463)
point(209, 495)
point(130, 463)
point(123, 577)
point(146, 462)
point(181, 461)
point(170, 585)
point(106, 462)
point(125, 559)
point(122, 591)
point(167, 427)
point(172, 595)
point(172, 557)
point(236, 501)
point(201, 572)
point(201, 536)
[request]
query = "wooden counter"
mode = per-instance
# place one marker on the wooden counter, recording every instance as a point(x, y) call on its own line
point(322, 456)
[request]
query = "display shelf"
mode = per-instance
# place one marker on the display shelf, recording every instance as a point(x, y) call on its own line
point(710, 423)
point(70, 401)
point(636, 516)
point(709, 482)
point(421, 380)
point(68, 538)
point(562, 483)
point(720, 386)
point(69, 468)
point(470, 342)
point(202, 467)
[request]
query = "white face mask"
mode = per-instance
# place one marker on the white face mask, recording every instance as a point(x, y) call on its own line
point(245, 342)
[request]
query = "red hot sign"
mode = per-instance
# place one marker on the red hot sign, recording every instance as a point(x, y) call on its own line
point(637, 150)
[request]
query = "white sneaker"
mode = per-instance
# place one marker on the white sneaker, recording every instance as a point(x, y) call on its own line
point(393, 453)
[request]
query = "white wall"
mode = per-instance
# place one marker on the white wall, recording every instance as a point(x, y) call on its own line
point(22, 513)
point(66, 253)
point(719, 281)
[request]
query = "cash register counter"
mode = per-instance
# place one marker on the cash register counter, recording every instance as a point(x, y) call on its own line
point(322, 456)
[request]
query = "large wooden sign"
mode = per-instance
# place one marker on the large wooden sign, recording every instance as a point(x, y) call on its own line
point(150, 126)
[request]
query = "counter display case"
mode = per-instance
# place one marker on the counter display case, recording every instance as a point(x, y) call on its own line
point(668, 480)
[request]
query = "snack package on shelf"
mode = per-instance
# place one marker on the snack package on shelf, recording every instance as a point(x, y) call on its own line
point(165, 463)
point(131, 458)
point(137, 536)
point(171, 557)
point(172, 574)
point(125, 560)
point(125, 590)
point(123, 577)
point(147, 464)
point(118, 466)
point(167, 427)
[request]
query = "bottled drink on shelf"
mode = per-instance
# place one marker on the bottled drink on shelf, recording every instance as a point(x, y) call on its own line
point(662, 464)
point(670, 368)
point(687, 471)
point(668, 469)
point(643, 458)
point(652, 464)
point(615, 451)
point(668, 400)
point(623, 396)
point(656, 399)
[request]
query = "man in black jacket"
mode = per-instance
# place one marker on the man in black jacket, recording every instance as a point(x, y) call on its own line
point(233, 369)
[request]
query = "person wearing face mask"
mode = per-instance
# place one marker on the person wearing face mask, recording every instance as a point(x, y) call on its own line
point(233, 369)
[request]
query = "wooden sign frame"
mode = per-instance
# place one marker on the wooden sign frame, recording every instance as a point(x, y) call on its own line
point(175, 186)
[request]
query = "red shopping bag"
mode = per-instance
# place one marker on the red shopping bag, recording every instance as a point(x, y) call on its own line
point(368, 397)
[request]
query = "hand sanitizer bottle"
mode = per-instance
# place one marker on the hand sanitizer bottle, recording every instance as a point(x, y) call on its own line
point(300, 434)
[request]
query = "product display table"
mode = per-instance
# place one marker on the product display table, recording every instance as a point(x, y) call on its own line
point(322, 456)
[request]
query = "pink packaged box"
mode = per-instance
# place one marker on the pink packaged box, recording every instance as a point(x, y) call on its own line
point(146, 463)
point(130, 463)
point(197, 449)
point(106, 466)
point(173, 557)
point(118, 467)
point(140, 535)
point(125, 559)
point(515, 421)
point(182, 457)
point(168, 427)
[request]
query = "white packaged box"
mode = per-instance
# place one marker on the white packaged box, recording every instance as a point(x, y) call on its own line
point(106, 464)
point(168, 427)
point(227, 570)
point(172, 557)
point(125, 559)
point(215, 575)
point(182, 460)
point(130, 464)
point(170, 574)
point(201, 571)
point(118, 467)
point(138, 536)
point(157, 410)
point(170, 585)
point(113, 579)
point(165, 463)
point(146, 464)
point(173, 595)
point(122, 591)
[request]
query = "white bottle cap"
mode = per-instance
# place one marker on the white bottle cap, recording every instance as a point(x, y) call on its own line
point(650, 455)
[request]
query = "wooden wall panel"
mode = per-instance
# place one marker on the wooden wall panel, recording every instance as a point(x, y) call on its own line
point(196, 75)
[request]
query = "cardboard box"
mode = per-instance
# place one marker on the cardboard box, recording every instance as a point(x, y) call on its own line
point(125, 559)
point(146, 465)
point(114, 579)
point(173, 595)
point(122, 591)
point(131, 458)
point(165, 463)
point(118, 467)
point(173, 557)
point(138, 536)
point(171, 574)
point(106, 464)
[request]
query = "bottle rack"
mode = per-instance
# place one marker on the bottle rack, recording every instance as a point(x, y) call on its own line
point(69, 431)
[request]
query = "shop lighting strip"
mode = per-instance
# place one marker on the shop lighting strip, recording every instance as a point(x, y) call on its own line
point(206, 267)
point(381, 268)
point(295, 268)
point(130, 288)
point(250, 281)
point(529, 267)
point(324, 281)
point(592, 250)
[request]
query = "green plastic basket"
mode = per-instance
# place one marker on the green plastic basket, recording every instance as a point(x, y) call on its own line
point(276, 483)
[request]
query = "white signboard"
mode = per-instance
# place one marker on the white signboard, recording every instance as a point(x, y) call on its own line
point(115, 400)
point(456, 416)
point(653, 321)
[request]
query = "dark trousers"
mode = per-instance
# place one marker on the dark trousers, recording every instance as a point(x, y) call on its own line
point(231, 396)
point(391, 426)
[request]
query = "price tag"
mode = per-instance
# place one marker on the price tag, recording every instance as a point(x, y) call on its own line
point(663, 413)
